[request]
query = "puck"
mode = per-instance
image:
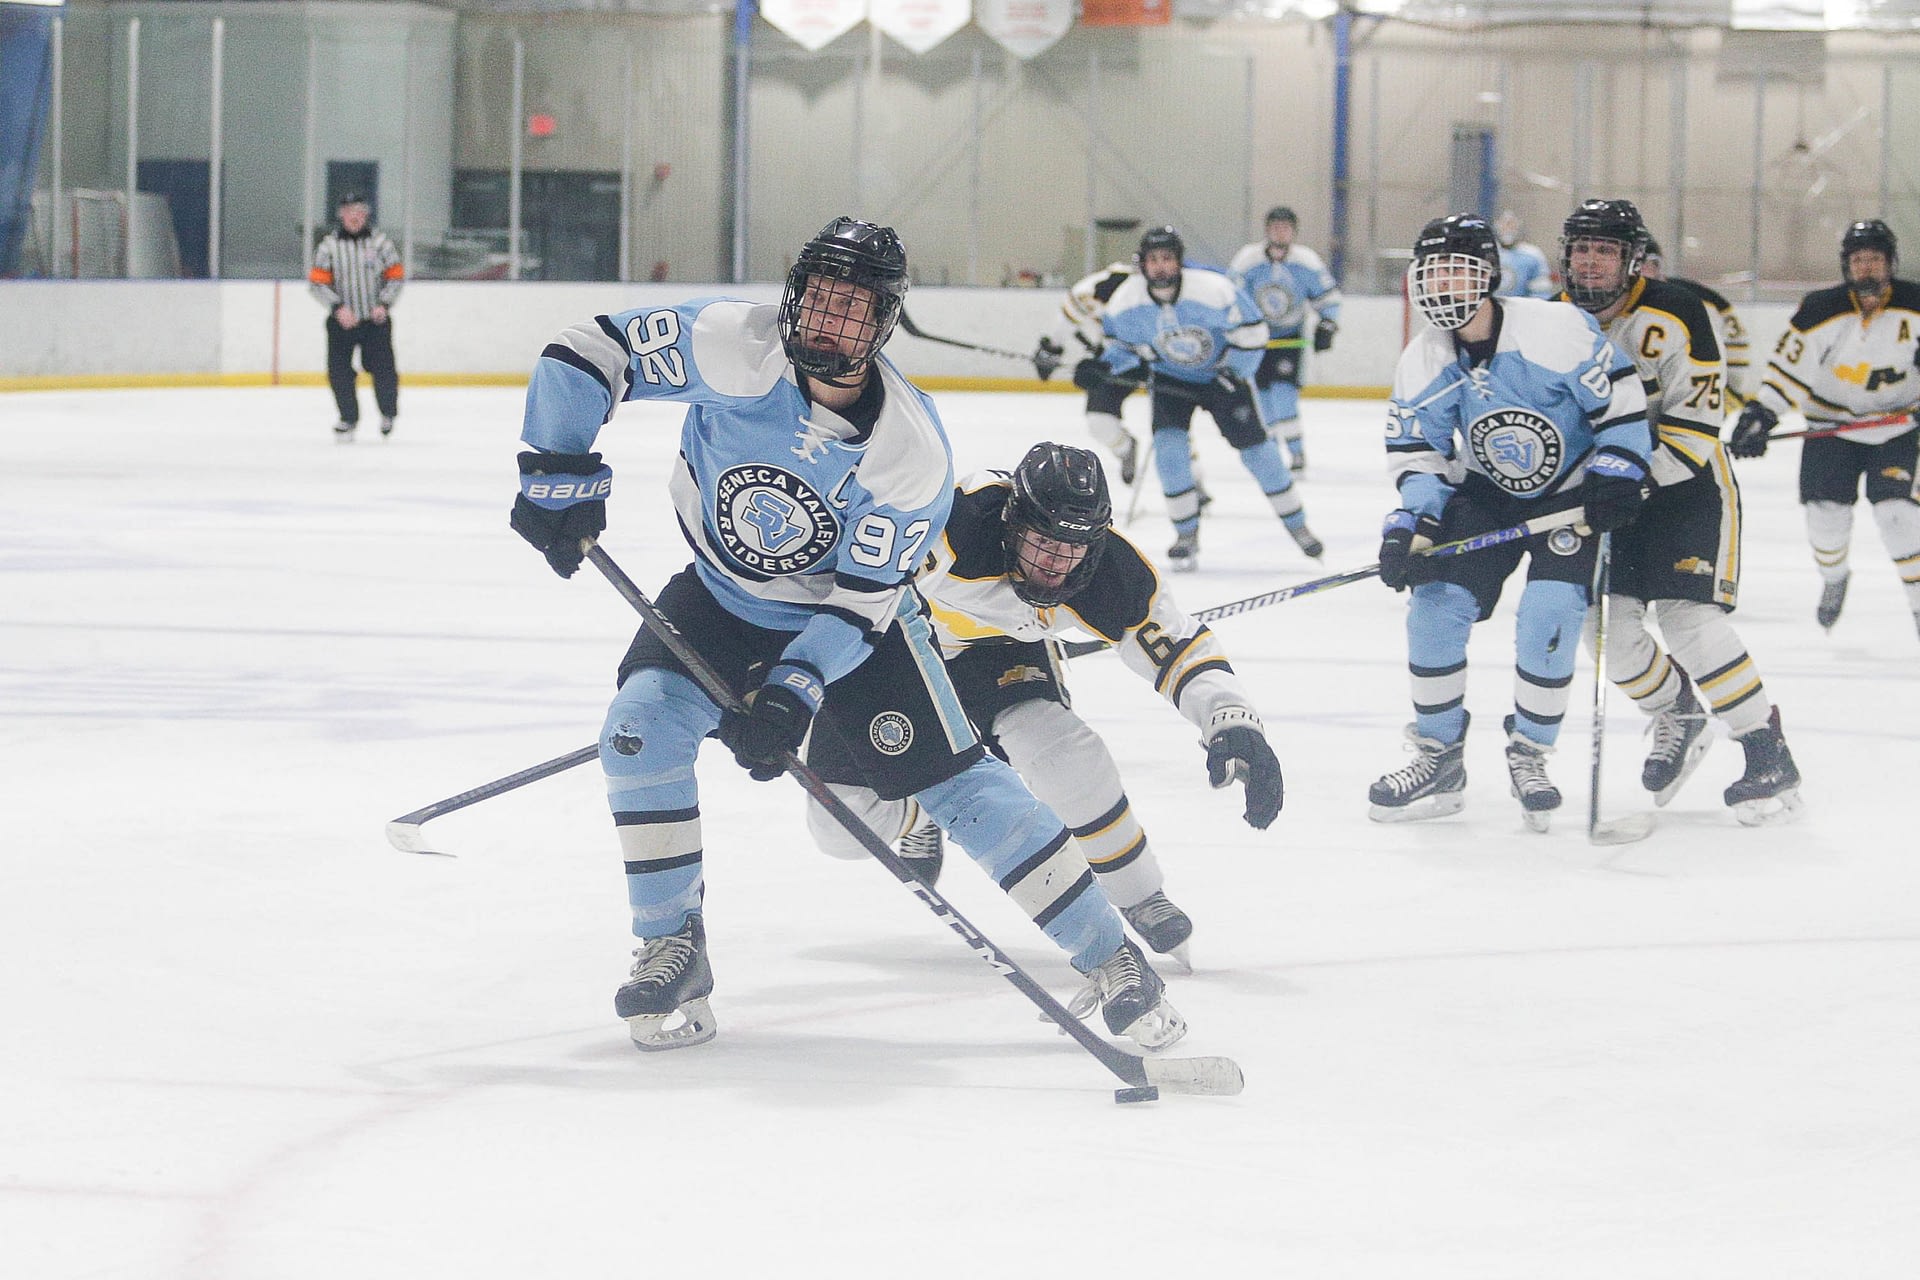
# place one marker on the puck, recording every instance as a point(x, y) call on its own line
point(1145, 1093)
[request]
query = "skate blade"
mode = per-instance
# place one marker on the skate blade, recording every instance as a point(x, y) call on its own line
point(1181, 956)
point(1537, 820)
point(696, 1026)
point(1157, 1028)
point(1628, 830)
point(1773, 812)
point(1182, 566)
point(1695, 754)
point(1437, 806)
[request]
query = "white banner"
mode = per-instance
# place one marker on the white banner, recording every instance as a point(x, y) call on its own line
point(813, 24)
point(920, 24)
point(1025, 27)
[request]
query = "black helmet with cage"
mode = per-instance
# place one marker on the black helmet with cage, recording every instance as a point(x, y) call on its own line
point(1614, 220)
point(1059, 494)
point(1456, 267)
point(1868, 233)
point(821, 298)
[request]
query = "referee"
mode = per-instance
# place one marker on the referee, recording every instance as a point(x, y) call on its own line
point(357, 275)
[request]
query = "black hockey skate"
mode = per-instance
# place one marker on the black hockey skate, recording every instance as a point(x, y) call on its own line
point(1132, 1000)
point(1833, 597)
point(1129, 456)
point(1769, 791)
point(1527, 768)
point(386, 426)
point(1162, 926)
point(1184, 555)
point(670, 979)
point(343, 431)
point(923, 849)
point(1433, 786)
point(1303, 538)
point(1680, 740)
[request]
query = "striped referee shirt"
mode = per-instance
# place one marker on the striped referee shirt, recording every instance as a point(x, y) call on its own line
point(358, 271)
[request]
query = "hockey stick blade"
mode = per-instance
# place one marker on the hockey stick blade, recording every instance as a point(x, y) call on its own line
point(407, 838)
point(1214, 1077)
point(1628, 830)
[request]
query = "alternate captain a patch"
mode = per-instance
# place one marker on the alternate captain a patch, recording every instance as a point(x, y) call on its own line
point(771, 521)
point(1519, 449)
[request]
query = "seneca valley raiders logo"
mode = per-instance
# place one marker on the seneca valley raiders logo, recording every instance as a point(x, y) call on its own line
point(890, 732)
point(1278, 304)
point(772, 521)
point(1188, 345)
point(1519, 450)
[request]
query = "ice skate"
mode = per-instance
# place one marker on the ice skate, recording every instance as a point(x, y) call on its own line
point(1527, 768)
point(1680, 741)
point(386, 426)
point(343, 431)
point(1296, 460)
point(1184, 555)
point(1132, 1000)
point(1303, 538)
point(1769, 791)
point(670, 981)
point(1128, 454)
point(923, 849)
point(1433, 786)
point(1833, 597)
point(1162, 926)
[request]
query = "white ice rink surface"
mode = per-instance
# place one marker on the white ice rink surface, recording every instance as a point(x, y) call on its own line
point(245, 1039)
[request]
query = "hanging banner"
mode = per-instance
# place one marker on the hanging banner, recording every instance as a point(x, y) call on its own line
point(813, 24)
point(1024, 28)
point(1126, 13)
point(920, 24)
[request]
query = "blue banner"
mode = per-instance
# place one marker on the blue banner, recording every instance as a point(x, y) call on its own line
point(26, 84)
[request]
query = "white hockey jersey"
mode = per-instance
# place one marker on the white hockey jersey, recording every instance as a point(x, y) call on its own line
point(1836, 367)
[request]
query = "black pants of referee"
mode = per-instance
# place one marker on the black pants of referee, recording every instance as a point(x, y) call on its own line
point(375, 342)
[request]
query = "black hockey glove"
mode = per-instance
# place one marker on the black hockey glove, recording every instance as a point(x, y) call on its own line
point(1091, 373)
point(1046, 358)
point(1615, 486)
point(774, 723)
point(1403, 537)
point(1240, 751)
point(563, 499)
point(1323, 335)
point(1750, 433)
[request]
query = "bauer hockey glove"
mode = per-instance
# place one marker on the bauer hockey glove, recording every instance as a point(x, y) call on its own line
point(1403, 537)
point(1240, 751)
point(774, 722)
point(1046, 358)
point(1751, 431)
point(1323, 335)
point(1613, 490)
point(563, 499)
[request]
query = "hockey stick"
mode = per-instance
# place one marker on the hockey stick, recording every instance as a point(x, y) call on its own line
point(1635, 826)
point(1145, 1076)
point(403, 833)
point(1478, 542)
point(915, 331)
point(1821, 433)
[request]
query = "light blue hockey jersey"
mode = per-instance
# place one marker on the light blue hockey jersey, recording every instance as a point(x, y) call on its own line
point(798, 520)
point(1527, 420)
point(1287, 290)
point(1211, 323)
point(1524, 271)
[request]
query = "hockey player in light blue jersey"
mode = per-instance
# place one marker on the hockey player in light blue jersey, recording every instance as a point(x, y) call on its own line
point(1199, 337)
point(1501, 410)
point(1524, 269)
point(1288, 282)
point(811, 481)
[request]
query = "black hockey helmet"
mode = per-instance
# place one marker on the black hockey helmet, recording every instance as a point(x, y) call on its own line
point(1616, 220)
point(1869, 233)
point(1162, 237)
point(1059, 493)
point(847, 252)
point(1456, 265)
point(1280, 213)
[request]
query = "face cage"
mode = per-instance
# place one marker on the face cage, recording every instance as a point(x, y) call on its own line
point(1599, 298)
point(1070, 586)
point(797, 314)
point(1430, 282)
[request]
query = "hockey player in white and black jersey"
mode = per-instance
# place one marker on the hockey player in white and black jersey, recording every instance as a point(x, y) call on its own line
point(1026, 558)
point(1678, 564)
point(811, 478)
point(1728, 327)
point(1849, 355)
point(1502, 409)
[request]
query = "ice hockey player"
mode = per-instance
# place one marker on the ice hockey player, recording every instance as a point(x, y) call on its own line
point(1031, 556)
point(1200, 338)
point(1504, 409)
point(1848, 355)
point(811, 478)
point(1728, 327)
point(1086, 302)
point(1524, 269)
point(1678, 563)
point(1288, 282)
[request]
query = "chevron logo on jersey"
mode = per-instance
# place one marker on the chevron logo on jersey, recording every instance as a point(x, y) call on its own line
point(772, 521)
point(1518, 449)
point(1188, 345)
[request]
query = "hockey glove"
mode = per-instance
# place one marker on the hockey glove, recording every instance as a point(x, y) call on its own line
point(1750, 433)
point(1046, 358)
point(563, 499)
point(1404, 536)
point(1241, 752)
point(1613, 490)
point(1091, 373)
point(1323, 335)
point(775, 721)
